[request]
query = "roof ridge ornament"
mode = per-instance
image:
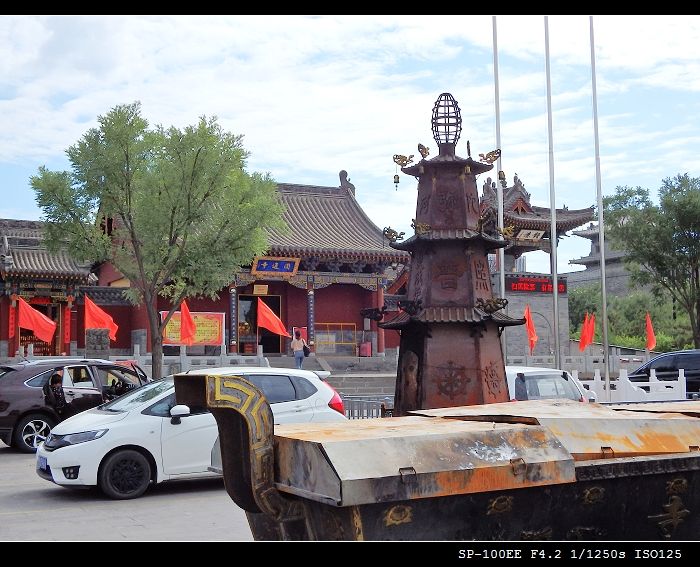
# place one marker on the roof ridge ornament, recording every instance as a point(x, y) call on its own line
point(446, 124)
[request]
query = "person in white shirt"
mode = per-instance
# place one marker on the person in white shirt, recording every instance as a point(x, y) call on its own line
point(298, 344)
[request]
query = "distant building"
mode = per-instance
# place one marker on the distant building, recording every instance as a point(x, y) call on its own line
point(617, 278)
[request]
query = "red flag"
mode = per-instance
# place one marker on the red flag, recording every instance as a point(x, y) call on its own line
point(188, 328)
point(582, 344)
point(96, 318)
point(530, 328)
point(651, 337)
point(29, 318)
point(270, 321)
point(588, 332)
point(591, 328)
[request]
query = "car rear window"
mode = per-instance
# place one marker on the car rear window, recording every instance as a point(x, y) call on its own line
point(4, 370)
point(304, 388)
point(277, 388)
point(544, 386)
point(40, 380)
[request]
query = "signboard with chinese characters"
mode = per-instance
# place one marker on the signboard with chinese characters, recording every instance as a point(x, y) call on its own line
point(274, 266)
point(210, 328)
point(530, 235)
point(533, 284)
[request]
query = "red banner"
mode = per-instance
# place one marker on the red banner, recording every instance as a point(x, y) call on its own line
point(66, 325)
point(12, 321)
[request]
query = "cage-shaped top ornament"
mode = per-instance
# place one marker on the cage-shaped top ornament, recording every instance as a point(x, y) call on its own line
point(447, 121)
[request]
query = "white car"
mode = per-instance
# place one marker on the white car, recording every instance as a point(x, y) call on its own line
point(143, 437)
point(534, 383)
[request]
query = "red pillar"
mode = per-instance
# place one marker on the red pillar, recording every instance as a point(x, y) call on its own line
point(66, 329)
point(380, 332)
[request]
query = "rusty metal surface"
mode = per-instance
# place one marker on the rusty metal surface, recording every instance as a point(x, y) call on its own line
point(687, 407)
point(351, 463)
point(592, 431)
point(637, 499)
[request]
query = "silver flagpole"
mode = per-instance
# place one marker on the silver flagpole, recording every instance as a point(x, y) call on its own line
point(552, 202)
point(601, 227)
point(499, 187)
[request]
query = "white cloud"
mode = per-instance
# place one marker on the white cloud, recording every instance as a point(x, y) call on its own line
point(315, 94)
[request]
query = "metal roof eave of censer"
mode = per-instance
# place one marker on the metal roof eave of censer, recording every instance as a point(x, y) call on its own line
point(459, 461)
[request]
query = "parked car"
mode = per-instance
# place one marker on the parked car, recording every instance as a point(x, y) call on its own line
point(26, 416)
point(533, 383)
point(145, 437)
point(666, 366)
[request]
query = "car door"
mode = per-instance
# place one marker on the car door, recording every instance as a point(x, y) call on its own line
point(666, 367)
point(117, 380)
point(186, 445)
point(282, 396)
point(690, 363)
point(80, 388)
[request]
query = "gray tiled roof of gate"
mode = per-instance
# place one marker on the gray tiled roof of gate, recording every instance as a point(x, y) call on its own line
point(328, 221)
point(24, 252)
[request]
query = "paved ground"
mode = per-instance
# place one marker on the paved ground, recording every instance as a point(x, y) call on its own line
point(33, 509)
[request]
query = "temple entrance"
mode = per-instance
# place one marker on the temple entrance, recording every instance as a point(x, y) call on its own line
point(249, 335)
point(27, 337)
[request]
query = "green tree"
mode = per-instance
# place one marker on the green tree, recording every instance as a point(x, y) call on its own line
point(661, 242)
point(626, 318)
point(173, 210)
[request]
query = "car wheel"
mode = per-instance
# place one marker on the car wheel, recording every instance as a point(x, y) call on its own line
point(32, 430)
point(125, 474)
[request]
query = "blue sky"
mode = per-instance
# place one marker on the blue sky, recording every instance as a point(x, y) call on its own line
point(312, 95)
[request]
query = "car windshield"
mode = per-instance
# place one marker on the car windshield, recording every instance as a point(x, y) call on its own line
point(545, 386)
point(139, 395)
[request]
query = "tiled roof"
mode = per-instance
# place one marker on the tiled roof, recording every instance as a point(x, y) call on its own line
point(329, 222)
point(451, 315)
point(23, 253)
point(518, 211)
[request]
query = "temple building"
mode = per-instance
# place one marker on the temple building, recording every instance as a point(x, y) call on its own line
point(332, 262)
point(318, 276)
point(617, 278)
point(49, 282)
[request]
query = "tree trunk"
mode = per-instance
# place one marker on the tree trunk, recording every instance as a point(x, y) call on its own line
point(156, 354)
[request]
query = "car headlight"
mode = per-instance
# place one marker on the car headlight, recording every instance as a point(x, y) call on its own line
point(54, 441)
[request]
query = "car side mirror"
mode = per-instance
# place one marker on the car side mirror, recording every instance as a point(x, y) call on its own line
point(178, 411)
point(592, 398)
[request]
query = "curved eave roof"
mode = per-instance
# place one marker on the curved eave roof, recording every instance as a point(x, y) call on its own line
point(328, 221)
point(451, 234)
point(451, 315)
point(540, 218)
point(42, 263)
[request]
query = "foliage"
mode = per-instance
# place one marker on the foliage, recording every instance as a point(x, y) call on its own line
point(661, 242)
point(626, 318)
point(174, 210)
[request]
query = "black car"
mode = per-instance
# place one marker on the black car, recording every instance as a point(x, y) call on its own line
point(667, 365)
point(28, 408)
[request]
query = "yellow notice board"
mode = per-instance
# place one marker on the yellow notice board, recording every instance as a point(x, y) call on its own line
point(210, 328)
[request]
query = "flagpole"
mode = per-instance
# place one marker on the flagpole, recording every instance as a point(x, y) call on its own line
point(552, 202)
point(601, 226)
point(499, 187)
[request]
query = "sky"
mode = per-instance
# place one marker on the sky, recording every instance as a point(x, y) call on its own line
point(313, 95)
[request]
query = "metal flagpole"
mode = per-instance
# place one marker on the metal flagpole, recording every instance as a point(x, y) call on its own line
point(601, 227)
point(552, 203)
point(499, 187)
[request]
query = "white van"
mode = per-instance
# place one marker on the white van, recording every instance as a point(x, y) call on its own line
point(534, 383)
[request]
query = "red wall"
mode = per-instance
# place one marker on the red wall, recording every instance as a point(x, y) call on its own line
point(107, 274)
point(341, 303)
